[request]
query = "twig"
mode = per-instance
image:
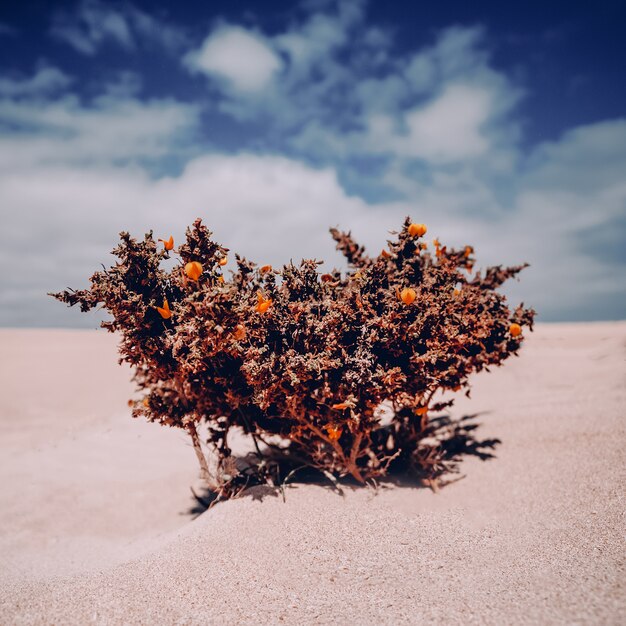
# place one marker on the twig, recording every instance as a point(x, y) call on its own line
point(252, 433)
point(205, 473)
point(333, 480)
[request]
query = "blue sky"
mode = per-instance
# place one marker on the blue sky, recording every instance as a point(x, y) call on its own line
point(500, 128)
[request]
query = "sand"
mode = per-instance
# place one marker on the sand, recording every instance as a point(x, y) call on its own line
point(95, 522)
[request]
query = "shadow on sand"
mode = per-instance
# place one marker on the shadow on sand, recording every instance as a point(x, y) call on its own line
point(455, 439)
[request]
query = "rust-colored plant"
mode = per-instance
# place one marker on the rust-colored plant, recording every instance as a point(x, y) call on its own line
point(336, 371)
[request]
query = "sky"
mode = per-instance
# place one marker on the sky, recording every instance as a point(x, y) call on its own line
point(497, 127)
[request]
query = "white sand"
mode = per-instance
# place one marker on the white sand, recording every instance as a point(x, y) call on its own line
point(94, 525)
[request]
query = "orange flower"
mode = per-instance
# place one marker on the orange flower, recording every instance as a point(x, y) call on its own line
point(169, 244)
point(408, 295)
point(220, 279)
point(263, 303)
point(468, 251)
point(326, 278)
point(193, 269)
point(417, 230)
point(436, 243)
point(340, 406)
point(165, 310)
point(422, 410)
point(240, 332)
point(146, 402)
point(515, 330)
point(223, 261)
point(265, 268)
point(456, 292)
point(385, 254)
point(334, 432)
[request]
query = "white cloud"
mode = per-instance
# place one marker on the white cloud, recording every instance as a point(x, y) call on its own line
point(302, 58)
point(239, 56)
point(565, 163)
point(273, 209)
point(148, 28)
point(447, 129)
point(269, 208)
point(572, 207)
point(112, 128)
point(439, 124)
point(46, 80)
point(345, 93)
point(96, 23)
point(313, 42)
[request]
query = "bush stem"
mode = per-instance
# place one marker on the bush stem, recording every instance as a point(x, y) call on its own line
point(205, 473)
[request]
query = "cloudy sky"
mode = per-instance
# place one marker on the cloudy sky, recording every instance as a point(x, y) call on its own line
point(274, 121)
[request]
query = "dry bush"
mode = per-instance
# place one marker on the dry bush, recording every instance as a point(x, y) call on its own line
point(304, 363)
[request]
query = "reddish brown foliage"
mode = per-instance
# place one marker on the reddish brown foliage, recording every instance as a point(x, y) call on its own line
point(302, 358)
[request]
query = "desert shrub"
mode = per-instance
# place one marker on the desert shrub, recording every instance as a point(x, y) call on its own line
point(336, 371)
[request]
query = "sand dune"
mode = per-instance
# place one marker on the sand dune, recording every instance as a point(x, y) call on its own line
point(95, 522)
